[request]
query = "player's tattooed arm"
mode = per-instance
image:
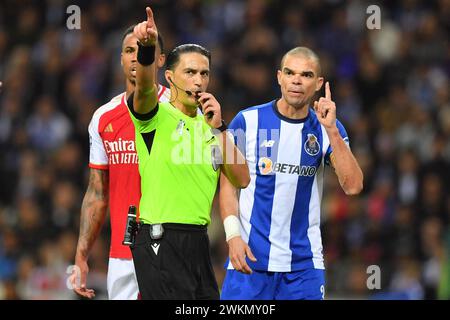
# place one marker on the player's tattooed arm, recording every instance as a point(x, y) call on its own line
point(93, 210)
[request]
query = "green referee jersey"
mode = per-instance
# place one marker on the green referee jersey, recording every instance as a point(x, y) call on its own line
point(178, 164)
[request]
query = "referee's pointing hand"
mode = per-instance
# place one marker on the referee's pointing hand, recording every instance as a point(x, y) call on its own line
point(146, 31)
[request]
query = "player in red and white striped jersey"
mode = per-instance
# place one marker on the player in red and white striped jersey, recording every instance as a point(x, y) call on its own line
point(114, 181)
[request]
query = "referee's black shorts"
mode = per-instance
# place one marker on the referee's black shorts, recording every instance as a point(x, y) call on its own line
point(178, 266)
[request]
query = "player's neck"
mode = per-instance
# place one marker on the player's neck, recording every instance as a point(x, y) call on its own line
point(292, 112)
point(190, 112)
point(129, 88)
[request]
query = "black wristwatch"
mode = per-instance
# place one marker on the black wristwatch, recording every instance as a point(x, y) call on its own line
point(223, 127)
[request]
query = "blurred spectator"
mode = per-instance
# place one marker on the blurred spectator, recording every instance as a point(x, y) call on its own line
point(407, 177)
point(47, 127)
point(405, 283)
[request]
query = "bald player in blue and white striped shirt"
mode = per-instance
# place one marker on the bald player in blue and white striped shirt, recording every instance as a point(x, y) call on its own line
point(273, 226)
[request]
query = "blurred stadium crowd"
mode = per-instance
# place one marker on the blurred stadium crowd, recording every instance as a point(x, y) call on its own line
point(391, 88)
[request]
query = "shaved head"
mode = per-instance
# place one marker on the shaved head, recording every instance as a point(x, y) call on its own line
point(304, 52)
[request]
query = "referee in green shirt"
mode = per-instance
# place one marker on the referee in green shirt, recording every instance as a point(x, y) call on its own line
point(180, 160)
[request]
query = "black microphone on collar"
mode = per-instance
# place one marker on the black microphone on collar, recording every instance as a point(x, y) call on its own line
point(188, 92)
point(191, 93)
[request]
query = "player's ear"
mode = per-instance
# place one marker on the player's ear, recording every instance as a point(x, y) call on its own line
point(161, 60)
point(279, 77)
point(319, 83)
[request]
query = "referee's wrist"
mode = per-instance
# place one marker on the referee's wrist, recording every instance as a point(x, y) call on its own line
point(222, 128)
point(145, 54)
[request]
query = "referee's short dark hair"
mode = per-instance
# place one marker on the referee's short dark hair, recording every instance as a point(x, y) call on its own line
point(130, 29)
point(174, 56)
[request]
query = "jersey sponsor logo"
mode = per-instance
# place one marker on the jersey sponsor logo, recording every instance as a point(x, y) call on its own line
point(266, 166)
point(267, 143)
point(312, 146)
point(119, 145)
point(180, 127)
point(123, 158)
point(121, 151)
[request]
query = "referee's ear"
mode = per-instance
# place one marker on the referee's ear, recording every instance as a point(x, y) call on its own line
point(168, 74)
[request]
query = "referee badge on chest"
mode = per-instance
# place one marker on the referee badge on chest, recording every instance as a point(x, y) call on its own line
point(312, 146)
point(180, 127)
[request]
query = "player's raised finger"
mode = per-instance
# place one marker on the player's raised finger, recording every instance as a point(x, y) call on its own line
point(327, 91)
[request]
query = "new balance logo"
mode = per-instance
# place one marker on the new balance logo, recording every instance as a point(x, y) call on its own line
point(267, 143)
point(109, 128)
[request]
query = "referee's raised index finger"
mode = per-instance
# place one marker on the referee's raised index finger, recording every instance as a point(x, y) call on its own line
point(327, 91)
point(149, 14)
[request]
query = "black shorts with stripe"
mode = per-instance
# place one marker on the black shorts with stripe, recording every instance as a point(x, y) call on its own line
point(177, 266)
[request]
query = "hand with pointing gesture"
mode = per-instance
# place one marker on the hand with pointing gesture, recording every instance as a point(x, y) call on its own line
point(325, 109)
point(146, 31)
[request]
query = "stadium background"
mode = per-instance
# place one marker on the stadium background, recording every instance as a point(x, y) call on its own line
point(390, 87)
